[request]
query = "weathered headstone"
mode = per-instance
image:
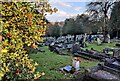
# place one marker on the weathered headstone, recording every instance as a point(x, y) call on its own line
point(75, 48)
point(85, 37)
point(108, 38)
point(98, 40)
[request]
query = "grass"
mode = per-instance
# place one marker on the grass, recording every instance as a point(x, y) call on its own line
point(49, 62)
point(102, 46)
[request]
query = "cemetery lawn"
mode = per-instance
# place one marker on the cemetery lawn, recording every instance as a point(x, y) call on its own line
point(102, 46)
point(50, 62)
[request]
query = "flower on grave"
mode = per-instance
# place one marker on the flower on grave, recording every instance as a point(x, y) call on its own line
point(77, 59)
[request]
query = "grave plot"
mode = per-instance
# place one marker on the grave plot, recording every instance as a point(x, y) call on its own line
point(50, 62)
point(113, 64)
point(99, 55)
point(93, 54)
point(49, 40)
point(105, 72)
point(57, 48)
point(55, 59)
point(115, 51)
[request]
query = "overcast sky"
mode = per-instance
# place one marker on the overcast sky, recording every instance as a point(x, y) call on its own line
point(66, 9)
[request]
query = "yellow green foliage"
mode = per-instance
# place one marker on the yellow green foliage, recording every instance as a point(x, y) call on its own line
point(21, 26)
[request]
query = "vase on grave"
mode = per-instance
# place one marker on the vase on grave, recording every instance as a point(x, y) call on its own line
point(76, 63)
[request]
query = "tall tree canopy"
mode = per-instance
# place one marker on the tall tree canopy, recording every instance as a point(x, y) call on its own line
point(100, 10)
point(115, 17)
point(55, 30)
point(115, 20)
point(69, 26)
point(79, 25)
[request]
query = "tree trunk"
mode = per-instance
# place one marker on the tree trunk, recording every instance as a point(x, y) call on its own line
point(105, 31)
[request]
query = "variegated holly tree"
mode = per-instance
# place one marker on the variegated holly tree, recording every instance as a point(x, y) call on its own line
point(21, 26)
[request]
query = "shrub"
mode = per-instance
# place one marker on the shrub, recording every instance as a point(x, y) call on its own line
point(21, 25)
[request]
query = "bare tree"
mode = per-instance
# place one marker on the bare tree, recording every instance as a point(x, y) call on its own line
point(98, 10)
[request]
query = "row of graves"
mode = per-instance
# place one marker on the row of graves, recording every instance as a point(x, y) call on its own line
point(61, 45)
point(67, 42)
point(64, 44)
point(109, 70)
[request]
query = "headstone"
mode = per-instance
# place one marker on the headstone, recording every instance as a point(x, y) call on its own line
point(98, 41)
point(85, 36)
point(90, 38)
point(108, 37)
point(75, 48)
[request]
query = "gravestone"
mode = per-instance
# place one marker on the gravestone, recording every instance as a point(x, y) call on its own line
point(108, 36)
point(84, 38)
point(75, 48)
point(116, 52)
point(98, 40)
